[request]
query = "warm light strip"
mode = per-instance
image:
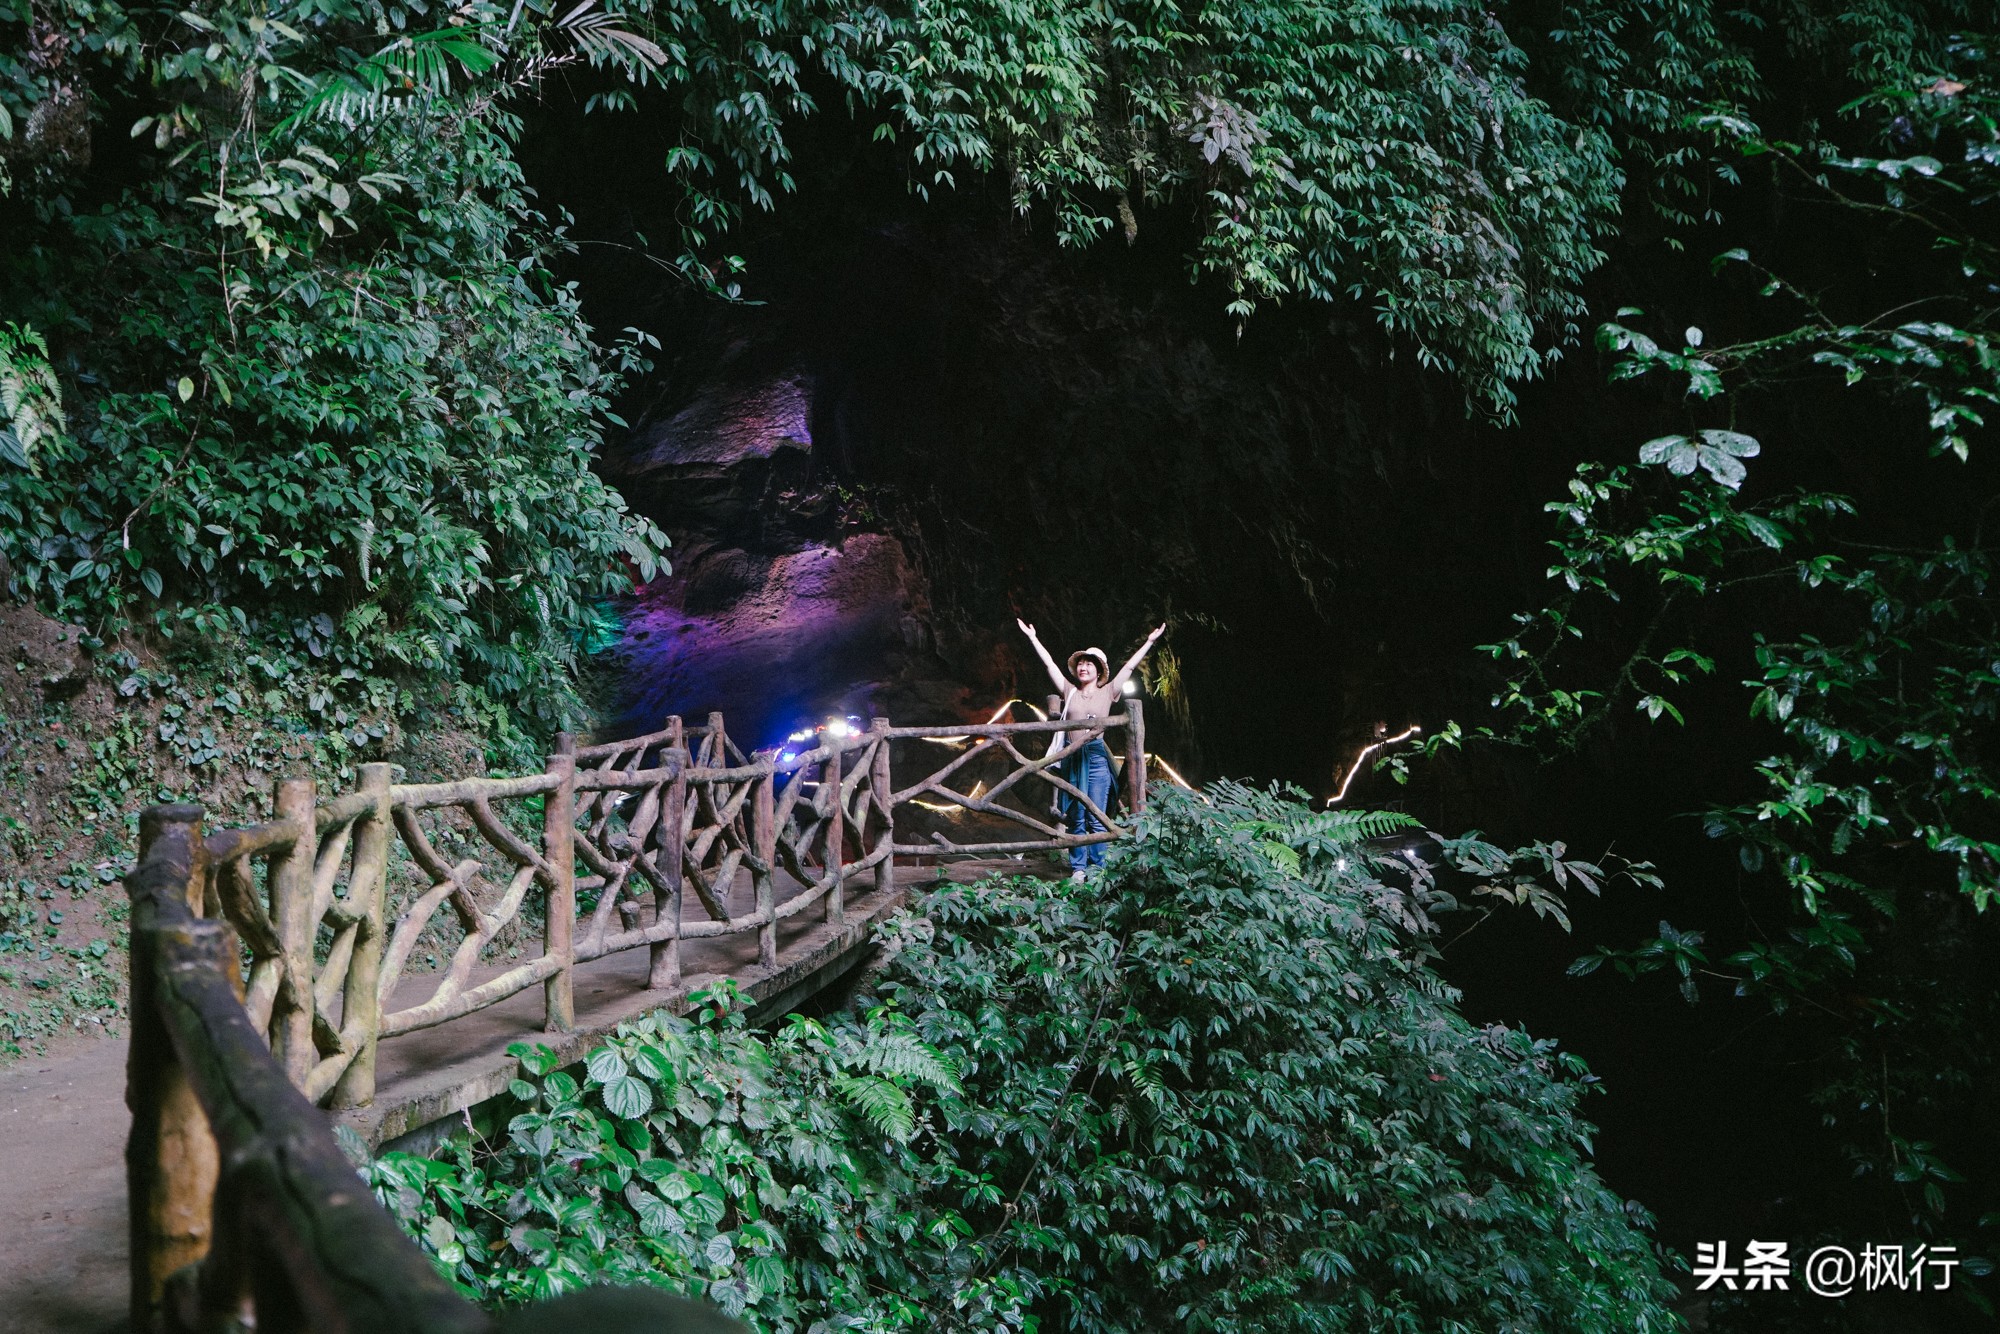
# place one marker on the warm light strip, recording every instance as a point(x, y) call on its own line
point(1366, 751)
point(1154, 759)
point(997, 714)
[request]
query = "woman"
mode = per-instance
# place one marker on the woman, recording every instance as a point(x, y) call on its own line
point(1092, 694)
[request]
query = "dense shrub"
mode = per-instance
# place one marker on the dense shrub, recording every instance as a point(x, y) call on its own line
point(322, 391)
point(1216, 1089)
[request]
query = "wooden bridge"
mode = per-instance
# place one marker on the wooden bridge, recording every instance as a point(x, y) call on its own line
point(385, 928)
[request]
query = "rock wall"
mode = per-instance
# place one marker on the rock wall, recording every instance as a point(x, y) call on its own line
point(788, 602)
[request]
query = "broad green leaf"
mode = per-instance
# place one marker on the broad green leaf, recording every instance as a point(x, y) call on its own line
point(627, 1097)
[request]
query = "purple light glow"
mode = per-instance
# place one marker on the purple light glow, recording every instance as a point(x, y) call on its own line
point(804, 635)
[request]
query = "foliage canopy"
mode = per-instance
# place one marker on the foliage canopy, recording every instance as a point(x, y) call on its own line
point(282, 352)
point(1866, 644)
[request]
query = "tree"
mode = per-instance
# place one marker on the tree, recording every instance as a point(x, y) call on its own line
point(319, 389)
point(1864, 624)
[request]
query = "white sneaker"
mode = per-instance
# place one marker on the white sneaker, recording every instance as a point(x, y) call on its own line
point(1076, 877)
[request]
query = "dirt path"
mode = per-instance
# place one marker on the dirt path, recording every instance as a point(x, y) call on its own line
point(62, 1192)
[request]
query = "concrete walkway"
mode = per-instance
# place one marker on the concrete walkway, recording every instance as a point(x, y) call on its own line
point(63, 1120)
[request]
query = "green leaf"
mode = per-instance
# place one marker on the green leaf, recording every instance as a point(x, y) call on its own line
point(655, 1064)
point(1655, 705)
point(679, 1184)
point(606, 1065)
point(628, 1097)
point(535, 1059)
point(766, 1272)
point(1677, 452)
point(1719, 453)
point(657, 1218)
point(1770, 534)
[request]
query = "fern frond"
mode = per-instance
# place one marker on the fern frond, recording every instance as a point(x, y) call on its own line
point(906, 1056)
point(1332, 827)
point(885, 1106)
point(1280, 856)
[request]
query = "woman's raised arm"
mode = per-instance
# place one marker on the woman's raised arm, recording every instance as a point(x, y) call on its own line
point(1055, 672)
point(1132, 663)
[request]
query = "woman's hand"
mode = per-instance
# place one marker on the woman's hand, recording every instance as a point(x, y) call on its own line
point(1158, 631)
point(1055, 673)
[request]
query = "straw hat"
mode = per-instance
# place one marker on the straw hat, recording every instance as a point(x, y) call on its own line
point(1097, 655)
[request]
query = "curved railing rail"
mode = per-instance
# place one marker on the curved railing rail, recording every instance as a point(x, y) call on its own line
point(244, 1212)
point(381, 911)
point(242, 1206)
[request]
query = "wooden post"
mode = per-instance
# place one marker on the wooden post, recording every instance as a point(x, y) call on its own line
point(1055, 793)
point(1135, 756)
point(880, 791)
point(367, 892)
point(764, 847)
point(291, 913)
point(715, 752)
point(836, 833)
point(559, 850)
point(171, 1162)
point(664, 956)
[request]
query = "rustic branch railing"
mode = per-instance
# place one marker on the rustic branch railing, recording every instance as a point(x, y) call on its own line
point(242, 1205)
point(244, 1212)
point(633, 827)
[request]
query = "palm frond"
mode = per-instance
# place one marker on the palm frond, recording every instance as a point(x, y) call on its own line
point(409, 69)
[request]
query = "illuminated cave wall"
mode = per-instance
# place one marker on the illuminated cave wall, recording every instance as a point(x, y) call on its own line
point(784, 607)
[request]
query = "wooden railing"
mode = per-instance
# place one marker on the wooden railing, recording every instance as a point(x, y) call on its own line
point(240, 1201)
point(625, 833)
point(1000, 742)
point(244, 1212)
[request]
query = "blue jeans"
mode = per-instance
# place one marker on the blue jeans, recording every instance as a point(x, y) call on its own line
point(1090, 770)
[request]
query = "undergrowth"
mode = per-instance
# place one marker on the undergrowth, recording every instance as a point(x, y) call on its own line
point(92, 733)
point(1217, 1088)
